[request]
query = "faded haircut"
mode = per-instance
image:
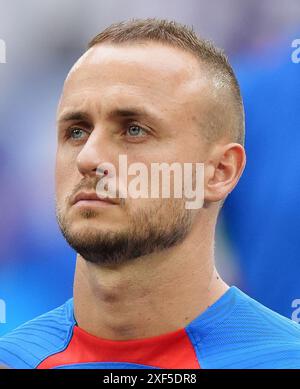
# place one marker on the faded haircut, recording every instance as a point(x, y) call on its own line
point(174, 34)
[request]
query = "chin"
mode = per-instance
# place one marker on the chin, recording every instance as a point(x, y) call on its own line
point(93, 227)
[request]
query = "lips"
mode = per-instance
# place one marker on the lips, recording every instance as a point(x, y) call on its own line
point(91, 196)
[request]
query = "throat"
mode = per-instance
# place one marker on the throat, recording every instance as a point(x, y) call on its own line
point(135, 303)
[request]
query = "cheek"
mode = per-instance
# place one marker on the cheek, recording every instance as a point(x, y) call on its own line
point(65, 172)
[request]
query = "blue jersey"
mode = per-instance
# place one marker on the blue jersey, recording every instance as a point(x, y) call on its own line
point(235, 332)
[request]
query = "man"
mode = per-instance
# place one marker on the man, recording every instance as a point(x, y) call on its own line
point(146, 291)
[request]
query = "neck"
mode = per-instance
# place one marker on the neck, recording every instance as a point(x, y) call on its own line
point(149, 296)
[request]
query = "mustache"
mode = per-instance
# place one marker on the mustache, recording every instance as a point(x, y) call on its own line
point(89, 184)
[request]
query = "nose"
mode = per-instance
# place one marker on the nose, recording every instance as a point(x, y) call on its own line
point(93, 153)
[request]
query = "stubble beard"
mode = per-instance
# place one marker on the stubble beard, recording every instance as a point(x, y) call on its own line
point(158, 227)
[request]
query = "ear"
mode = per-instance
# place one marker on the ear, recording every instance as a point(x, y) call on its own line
point(222, 171)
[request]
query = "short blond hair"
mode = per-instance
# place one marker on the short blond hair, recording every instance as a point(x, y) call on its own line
point(181, 36)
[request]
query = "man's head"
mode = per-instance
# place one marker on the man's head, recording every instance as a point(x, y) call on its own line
point(153, 91)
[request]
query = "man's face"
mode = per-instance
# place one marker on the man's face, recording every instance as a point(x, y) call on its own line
point(145, 101)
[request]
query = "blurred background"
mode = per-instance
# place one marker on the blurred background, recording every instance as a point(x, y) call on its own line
point(258, 240)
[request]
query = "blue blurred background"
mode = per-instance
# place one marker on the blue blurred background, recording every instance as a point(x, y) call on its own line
point(258, 240)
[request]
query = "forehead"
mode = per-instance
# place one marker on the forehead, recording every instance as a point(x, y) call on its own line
point(144, 73)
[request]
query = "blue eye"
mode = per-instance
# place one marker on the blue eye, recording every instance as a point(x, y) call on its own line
point(135, 131)
point(77, 133)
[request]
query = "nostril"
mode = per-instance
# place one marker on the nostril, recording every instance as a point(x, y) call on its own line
point(102, 172)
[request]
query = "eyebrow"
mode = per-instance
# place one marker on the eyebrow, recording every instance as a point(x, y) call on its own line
point(76, 115)
point(127, 112)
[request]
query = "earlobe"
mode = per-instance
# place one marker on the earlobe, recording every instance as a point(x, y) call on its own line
point(223, 171)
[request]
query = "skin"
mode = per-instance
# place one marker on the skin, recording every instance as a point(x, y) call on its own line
point(165, 290)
